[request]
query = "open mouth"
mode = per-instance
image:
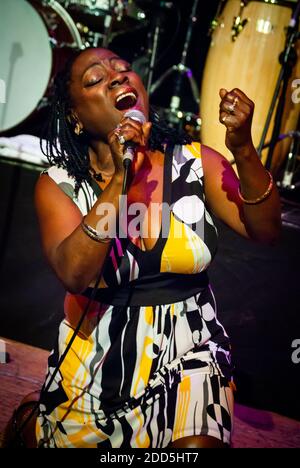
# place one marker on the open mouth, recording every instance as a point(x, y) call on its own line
point(126, 100)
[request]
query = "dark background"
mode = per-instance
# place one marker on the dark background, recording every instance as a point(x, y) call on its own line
point(256, 287)
point(174, 24)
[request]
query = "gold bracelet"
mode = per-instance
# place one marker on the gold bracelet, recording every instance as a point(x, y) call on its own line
point(93, 234)
point(262, 197)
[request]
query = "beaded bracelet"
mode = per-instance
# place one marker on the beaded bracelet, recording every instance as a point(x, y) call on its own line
point(262, 197)
point(93, 234)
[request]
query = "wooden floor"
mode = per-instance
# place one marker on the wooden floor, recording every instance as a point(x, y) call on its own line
point(24, 372)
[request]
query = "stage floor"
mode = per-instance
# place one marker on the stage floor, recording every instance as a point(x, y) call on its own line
point(24, 372)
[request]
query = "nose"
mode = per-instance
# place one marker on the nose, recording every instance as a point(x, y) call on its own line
point(118, 79)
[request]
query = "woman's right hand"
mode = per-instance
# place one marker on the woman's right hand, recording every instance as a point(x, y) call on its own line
point(131, 130)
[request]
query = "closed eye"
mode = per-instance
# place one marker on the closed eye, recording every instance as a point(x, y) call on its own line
point(93, 82)
point(123, 69)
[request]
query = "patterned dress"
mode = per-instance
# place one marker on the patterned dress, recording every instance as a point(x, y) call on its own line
point(151, 363)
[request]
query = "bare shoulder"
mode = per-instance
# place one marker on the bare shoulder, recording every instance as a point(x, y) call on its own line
point(213, 160)
point(49, 195)
point(221, 189)
point(57, 214)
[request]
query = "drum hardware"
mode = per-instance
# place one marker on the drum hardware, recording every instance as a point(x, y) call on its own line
point(181, 120)
point(83, 29)
point(287, 182)
point(90, 38)
point(181, 70)
point(215, 22)
point(238, 23)
point(293, 134)
point(111, 17)
point(93, 39)
point(154, 36)
point(288, 59)
point(61, 12)
point(158, 28)
point(55, 44)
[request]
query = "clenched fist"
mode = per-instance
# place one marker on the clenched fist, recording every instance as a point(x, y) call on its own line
point(236, 113)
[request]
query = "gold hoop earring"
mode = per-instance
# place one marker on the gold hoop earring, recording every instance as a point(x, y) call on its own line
point(78, 129)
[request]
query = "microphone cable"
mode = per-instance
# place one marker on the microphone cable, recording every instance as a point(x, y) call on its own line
point(18, 435)
point(137, 115)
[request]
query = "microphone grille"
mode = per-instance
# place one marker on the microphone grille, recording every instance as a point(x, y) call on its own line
point(135, 115)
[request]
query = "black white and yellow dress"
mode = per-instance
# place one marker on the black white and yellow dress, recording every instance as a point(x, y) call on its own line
point(151, 363)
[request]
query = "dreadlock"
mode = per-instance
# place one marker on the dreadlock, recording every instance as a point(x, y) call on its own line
point(65, 149)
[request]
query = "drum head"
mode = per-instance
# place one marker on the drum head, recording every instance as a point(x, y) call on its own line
point(26, 61)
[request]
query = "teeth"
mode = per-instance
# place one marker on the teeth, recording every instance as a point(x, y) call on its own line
point(122, 96)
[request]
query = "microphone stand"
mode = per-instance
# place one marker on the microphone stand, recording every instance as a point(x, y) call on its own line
point(181, 69)
point(287, 59)
point(290, 168)
point(157, 29)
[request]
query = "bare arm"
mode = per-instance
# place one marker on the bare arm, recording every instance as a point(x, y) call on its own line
point(262, 221)
point(75, 257)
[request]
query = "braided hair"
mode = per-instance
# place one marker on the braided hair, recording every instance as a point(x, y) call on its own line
point(65, 149)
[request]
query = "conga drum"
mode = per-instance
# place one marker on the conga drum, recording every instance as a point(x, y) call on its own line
point(249, 60)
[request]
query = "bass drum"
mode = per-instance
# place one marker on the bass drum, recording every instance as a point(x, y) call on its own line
point(36, 40)
point(250, 62)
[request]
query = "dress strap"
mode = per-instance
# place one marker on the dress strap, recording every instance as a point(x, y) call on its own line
point(96, 189)
point(167, 189)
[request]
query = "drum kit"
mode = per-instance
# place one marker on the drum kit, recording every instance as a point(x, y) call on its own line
point(247, 38)
point(38, 36)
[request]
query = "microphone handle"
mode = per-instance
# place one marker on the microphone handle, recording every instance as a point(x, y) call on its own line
point(129, 152)
point(127, 160)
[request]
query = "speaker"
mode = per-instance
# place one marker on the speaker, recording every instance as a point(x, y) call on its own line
point(31, 298)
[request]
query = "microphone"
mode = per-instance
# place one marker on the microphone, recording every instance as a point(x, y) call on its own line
point(129, 146)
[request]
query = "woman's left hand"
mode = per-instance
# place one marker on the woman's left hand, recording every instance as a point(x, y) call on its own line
point(236, 113)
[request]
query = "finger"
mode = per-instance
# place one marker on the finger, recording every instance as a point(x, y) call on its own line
point(241, 95)
point(222, 93)
point(130, 134)
point(237, 99)
point(135, 131)
point(225, 118)
point(227, 121)
point(235, 106)
point(229, 101)
point(146, 130)
point(113, 139)
point(133, 123)
point(232, 122)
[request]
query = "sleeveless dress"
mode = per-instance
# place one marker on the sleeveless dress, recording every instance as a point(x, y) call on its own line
point(151, 363)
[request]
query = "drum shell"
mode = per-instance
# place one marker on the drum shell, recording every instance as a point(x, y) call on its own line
point(250, 63)
point(47, 40)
